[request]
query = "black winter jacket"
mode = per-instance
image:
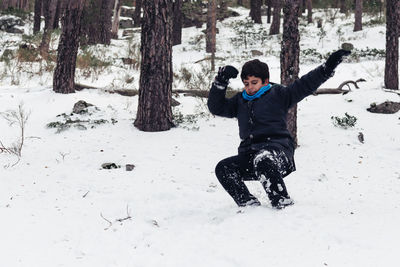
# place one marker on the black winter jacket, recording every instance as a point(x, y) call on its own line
point(262, 122)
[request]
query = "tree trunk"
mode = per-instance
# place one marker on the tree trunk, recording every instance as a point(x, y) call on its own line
point(155, 84)
point(49, 10)
point(137, 14)
point(105, 22)
point(301, 2)
point(309, 11)
point(37, 16)
point(115, 23)
point(97, 20)
point(392, 45)
point(211, 26)
point(358, 15)
point(177, 25)
point(290, 53)
point(23, 5)
point(64, 73)
point(16, 4)
point(255, 11)
point(269, 5)
point(343, 6)
point(57, 15)
point(276, 17)
point(223, 9)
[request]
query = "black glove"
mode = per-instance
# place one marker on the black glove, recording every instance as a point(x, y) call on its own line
point(225, 73)
point(334, 60)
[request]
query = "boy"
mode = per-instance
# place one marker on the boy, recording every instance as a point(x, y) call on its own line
point(266, 151)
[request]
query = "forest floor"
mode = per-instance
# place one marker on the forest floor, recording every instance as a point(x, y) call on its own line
point(59, 207)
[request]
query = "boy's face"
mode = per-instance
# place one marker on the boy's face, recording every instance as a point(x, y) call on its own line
point(252, 84)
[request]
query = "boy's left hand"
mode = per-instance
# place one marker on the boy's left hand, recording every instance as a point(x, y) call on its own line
point(334, 60)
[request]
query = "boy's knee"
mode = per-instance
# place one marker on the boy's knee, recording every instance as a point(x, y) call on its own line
point(220, 168)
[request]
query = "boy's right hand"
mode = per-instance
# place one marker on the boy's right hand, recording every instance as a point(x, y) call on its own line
point(225, 73)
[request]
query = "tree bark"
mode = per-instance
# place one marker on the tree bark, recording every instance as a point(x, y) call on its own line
point(177, 25)
point(301, 7)
point(16, 4)
point(211, 26)
point(64, 73)
point(222, 10)
point(106, 22)
point(309, 11)
point(115, 23)
point(37, 16)
point(392, 45)
point(137, 14)
point(343, 6)
point(358, 15)
point(57, 15)
point(269, 5)
point(290, 53)
point(255, 11)
point(276, 17)
point(49, 11)
point(97, 21)
point(155, 84)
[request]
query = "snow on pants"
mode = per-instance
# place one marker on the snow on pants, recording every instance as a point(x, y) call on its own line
point(267, 166)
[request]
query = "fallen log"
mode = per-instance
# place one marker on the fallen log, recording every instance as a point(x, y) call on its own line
point(340, 89)
point(324, 91)
point(229, 93)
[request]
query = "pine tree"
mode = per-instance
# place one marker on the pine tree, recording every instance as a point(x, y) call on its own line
point(269, 6)
point(96, 26)
point(177, 25)
point(358, 15)
point(49, 10)
point(290, 53)
point(64, 73)
point(37, 16)
point(392, 45)
point(137, 14)
point(255, 11)
point(155, 84)
point(211, 26)
point(309, 11)
point(276, 17)
point(115, 22)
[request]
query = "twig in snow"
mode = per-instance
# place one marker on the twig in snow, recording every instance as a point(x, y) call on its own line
point(106, 221)
point(85, 194)
point(128, 217)
point(63, 155)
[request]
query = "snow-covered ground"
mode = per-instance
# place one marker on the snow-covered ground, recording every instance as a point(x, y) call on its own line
point(59, 208)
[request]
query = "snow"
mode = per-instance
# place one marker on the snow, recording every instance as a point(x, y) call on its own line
point(59, 208)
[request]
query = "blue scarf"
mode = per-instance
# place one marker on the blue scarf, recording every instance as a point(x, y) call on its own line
point(259, 93)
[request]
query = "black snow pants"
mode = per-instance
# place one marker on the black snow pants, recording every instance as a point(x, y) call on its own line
point(268, 166)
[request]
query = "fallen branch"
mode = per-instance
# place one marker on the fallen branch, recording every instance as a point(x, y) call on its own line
point(208, 58)
point(128, 217)
point(4, 149)
point(231, 93)
point(352, 82)
point(340, 89)
point(397, 92)
point(101, 215)
point(80, 87)
point(323, 91)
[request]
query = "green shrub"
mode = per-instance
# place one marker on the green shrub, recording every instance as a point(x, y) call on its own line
point(345, 122)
